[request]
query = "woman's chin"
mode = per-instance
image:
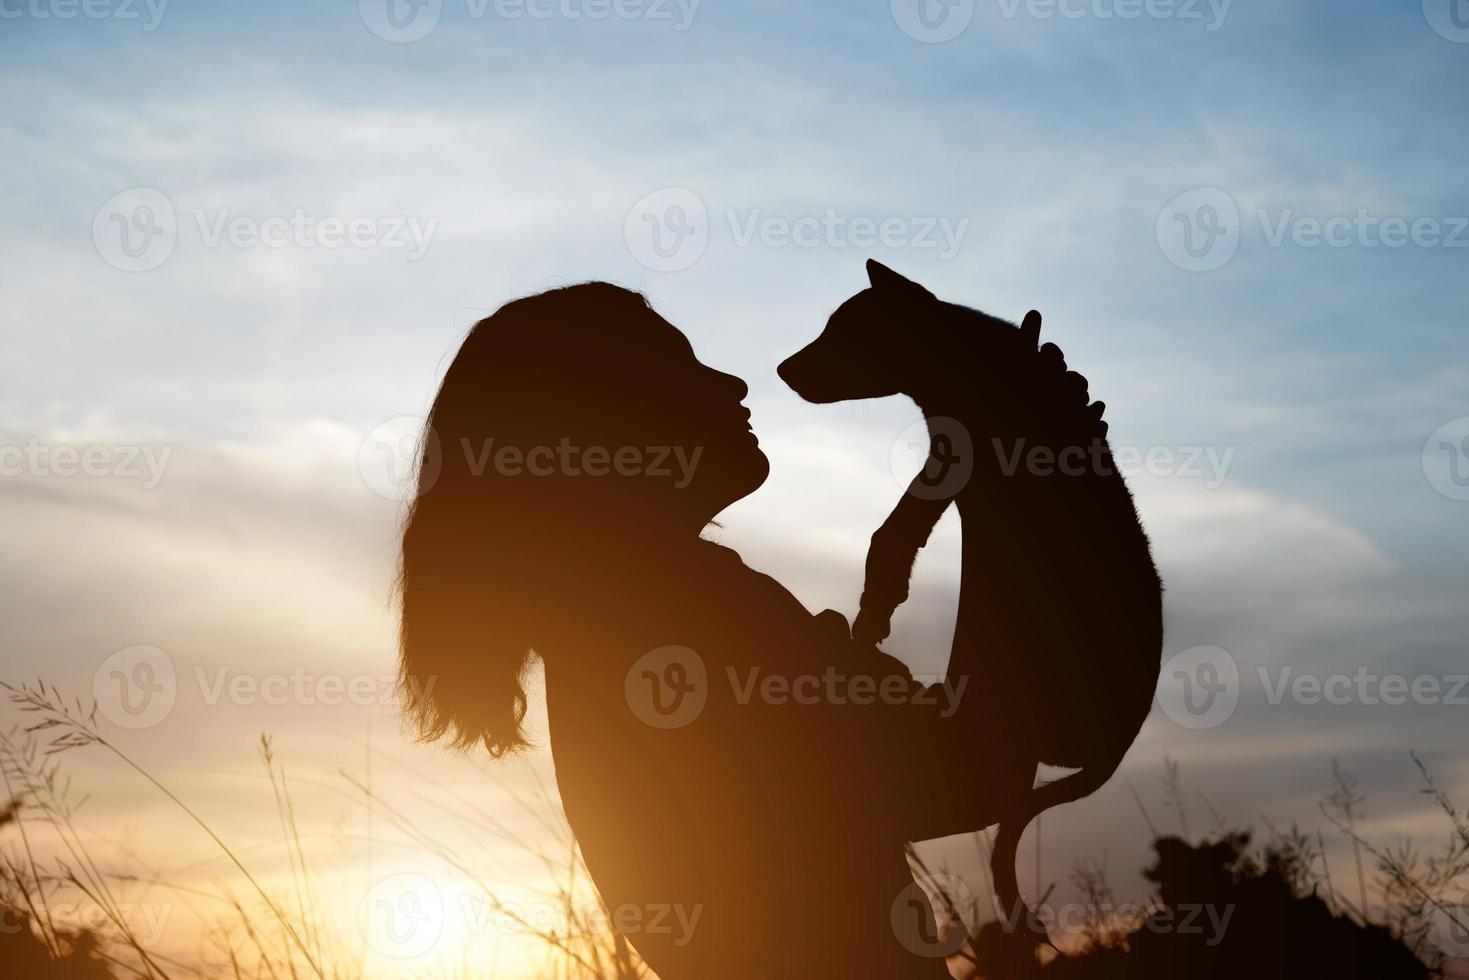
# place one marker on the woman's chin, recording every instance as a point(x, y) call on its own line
point(749, 473)
point(762, 466)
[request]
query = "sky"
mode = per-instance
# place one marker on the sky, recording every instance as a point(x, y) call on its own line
point(241, 242)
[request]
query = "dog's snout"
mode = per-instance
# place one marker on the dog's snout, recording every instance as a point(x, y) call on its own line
point(795, 370)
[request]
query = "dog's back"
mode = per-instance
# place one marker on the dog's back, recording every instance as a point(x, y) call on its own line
point(1051, 530)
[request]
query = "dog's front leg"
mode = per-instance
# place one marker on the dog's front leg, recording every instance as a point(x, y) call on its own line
point(890, 558)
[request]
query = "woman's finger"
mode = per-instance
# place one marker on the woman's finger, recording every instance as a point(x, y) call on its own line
point(1052, 357)
point(1030, 330)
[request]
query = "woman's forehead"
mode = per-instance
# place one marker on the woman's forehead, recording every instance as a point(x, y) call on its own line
point(664, 339)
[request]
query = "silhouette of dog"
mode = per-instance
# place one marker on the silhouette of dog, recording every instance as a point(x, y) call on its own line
point(1060, 605)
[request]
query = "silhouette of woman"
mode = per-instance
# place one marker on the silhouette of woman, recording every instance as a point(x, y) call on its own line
point(740, 776)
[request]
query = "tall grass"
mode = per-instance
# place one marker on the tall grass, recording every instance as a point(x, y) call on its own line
point(263, 932)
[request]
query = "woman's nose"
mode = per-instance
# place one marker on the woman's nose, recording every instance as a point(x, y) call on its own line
point(735, 384)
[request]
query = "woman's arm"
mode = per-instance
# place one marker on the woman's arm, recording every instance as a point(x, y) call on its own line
point(932, 770)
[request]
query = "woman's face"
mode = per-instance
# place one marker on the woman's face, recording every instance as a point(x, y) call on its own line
point(691, 416)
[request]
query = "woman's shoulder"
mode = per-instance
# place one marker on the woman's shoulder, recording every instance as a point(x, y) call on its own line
point(724, 573)
point(704, 596)
point(707, 599)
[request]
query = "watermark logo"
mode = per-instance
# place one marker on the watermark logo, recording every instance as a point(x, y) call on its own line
point(1455, 935)
point(667, 687)
point(922, 930)
point(135, 687)
point(135, 230)
point(1450, 18)
point(1446, 459)
point(1199, 687)
point(400, 21)
point(1199, 230)
point(932, 21)
point(399, 458)
point(402, 916)
point(942, 452)
point(668, 230)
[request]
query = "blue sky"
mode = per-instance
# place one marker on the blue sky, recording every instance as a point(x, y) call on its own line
point(520, 146)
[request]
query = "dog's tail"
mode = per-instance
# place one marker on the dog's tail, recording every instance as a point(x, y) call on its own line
point(1013, 911)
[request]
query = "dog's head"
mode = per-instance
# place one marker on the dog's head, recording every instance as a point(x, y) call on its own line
point(866, 343)
point(896, 338)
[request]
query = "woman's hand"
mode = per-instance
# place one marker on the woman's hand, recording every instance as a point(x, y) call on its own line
point(858, 658)
point(1069, 388)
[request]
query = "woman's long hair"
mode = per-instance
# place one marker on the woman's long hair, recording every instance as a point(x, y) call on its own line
point(490, 547)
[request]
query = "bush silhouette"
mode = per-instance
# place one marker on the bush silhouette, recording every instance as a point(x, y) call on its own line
point(22, 954)
point(1277, 927)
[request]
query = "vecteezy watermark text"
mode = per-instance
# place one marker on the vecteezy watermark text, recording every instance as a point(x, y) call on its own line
point(567, 458)
point(1208, 463)
point(1212, 12)
point(1200, 687)
point(137, 229)
point(669, 229)
point(137, 687)
point(1364, 686)
point(1200, 230)
point(302, 230)
point(148, 12)
point(834, 229)
point(406, 21)
point(299, 686)
point(399, 458)
point(144, 464)
point(405, 915)
point(937, 21)
point(943, 452)
point(144, 922)
point(669, 688)
point(836, 687)
point(1183, 919)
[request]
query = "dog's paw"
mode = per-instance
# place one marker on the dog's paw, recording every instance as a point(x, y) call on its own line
point(870, 630)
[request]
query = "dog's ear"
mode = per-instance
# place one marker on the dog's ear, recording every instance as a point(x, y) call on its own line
point(885, 280)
